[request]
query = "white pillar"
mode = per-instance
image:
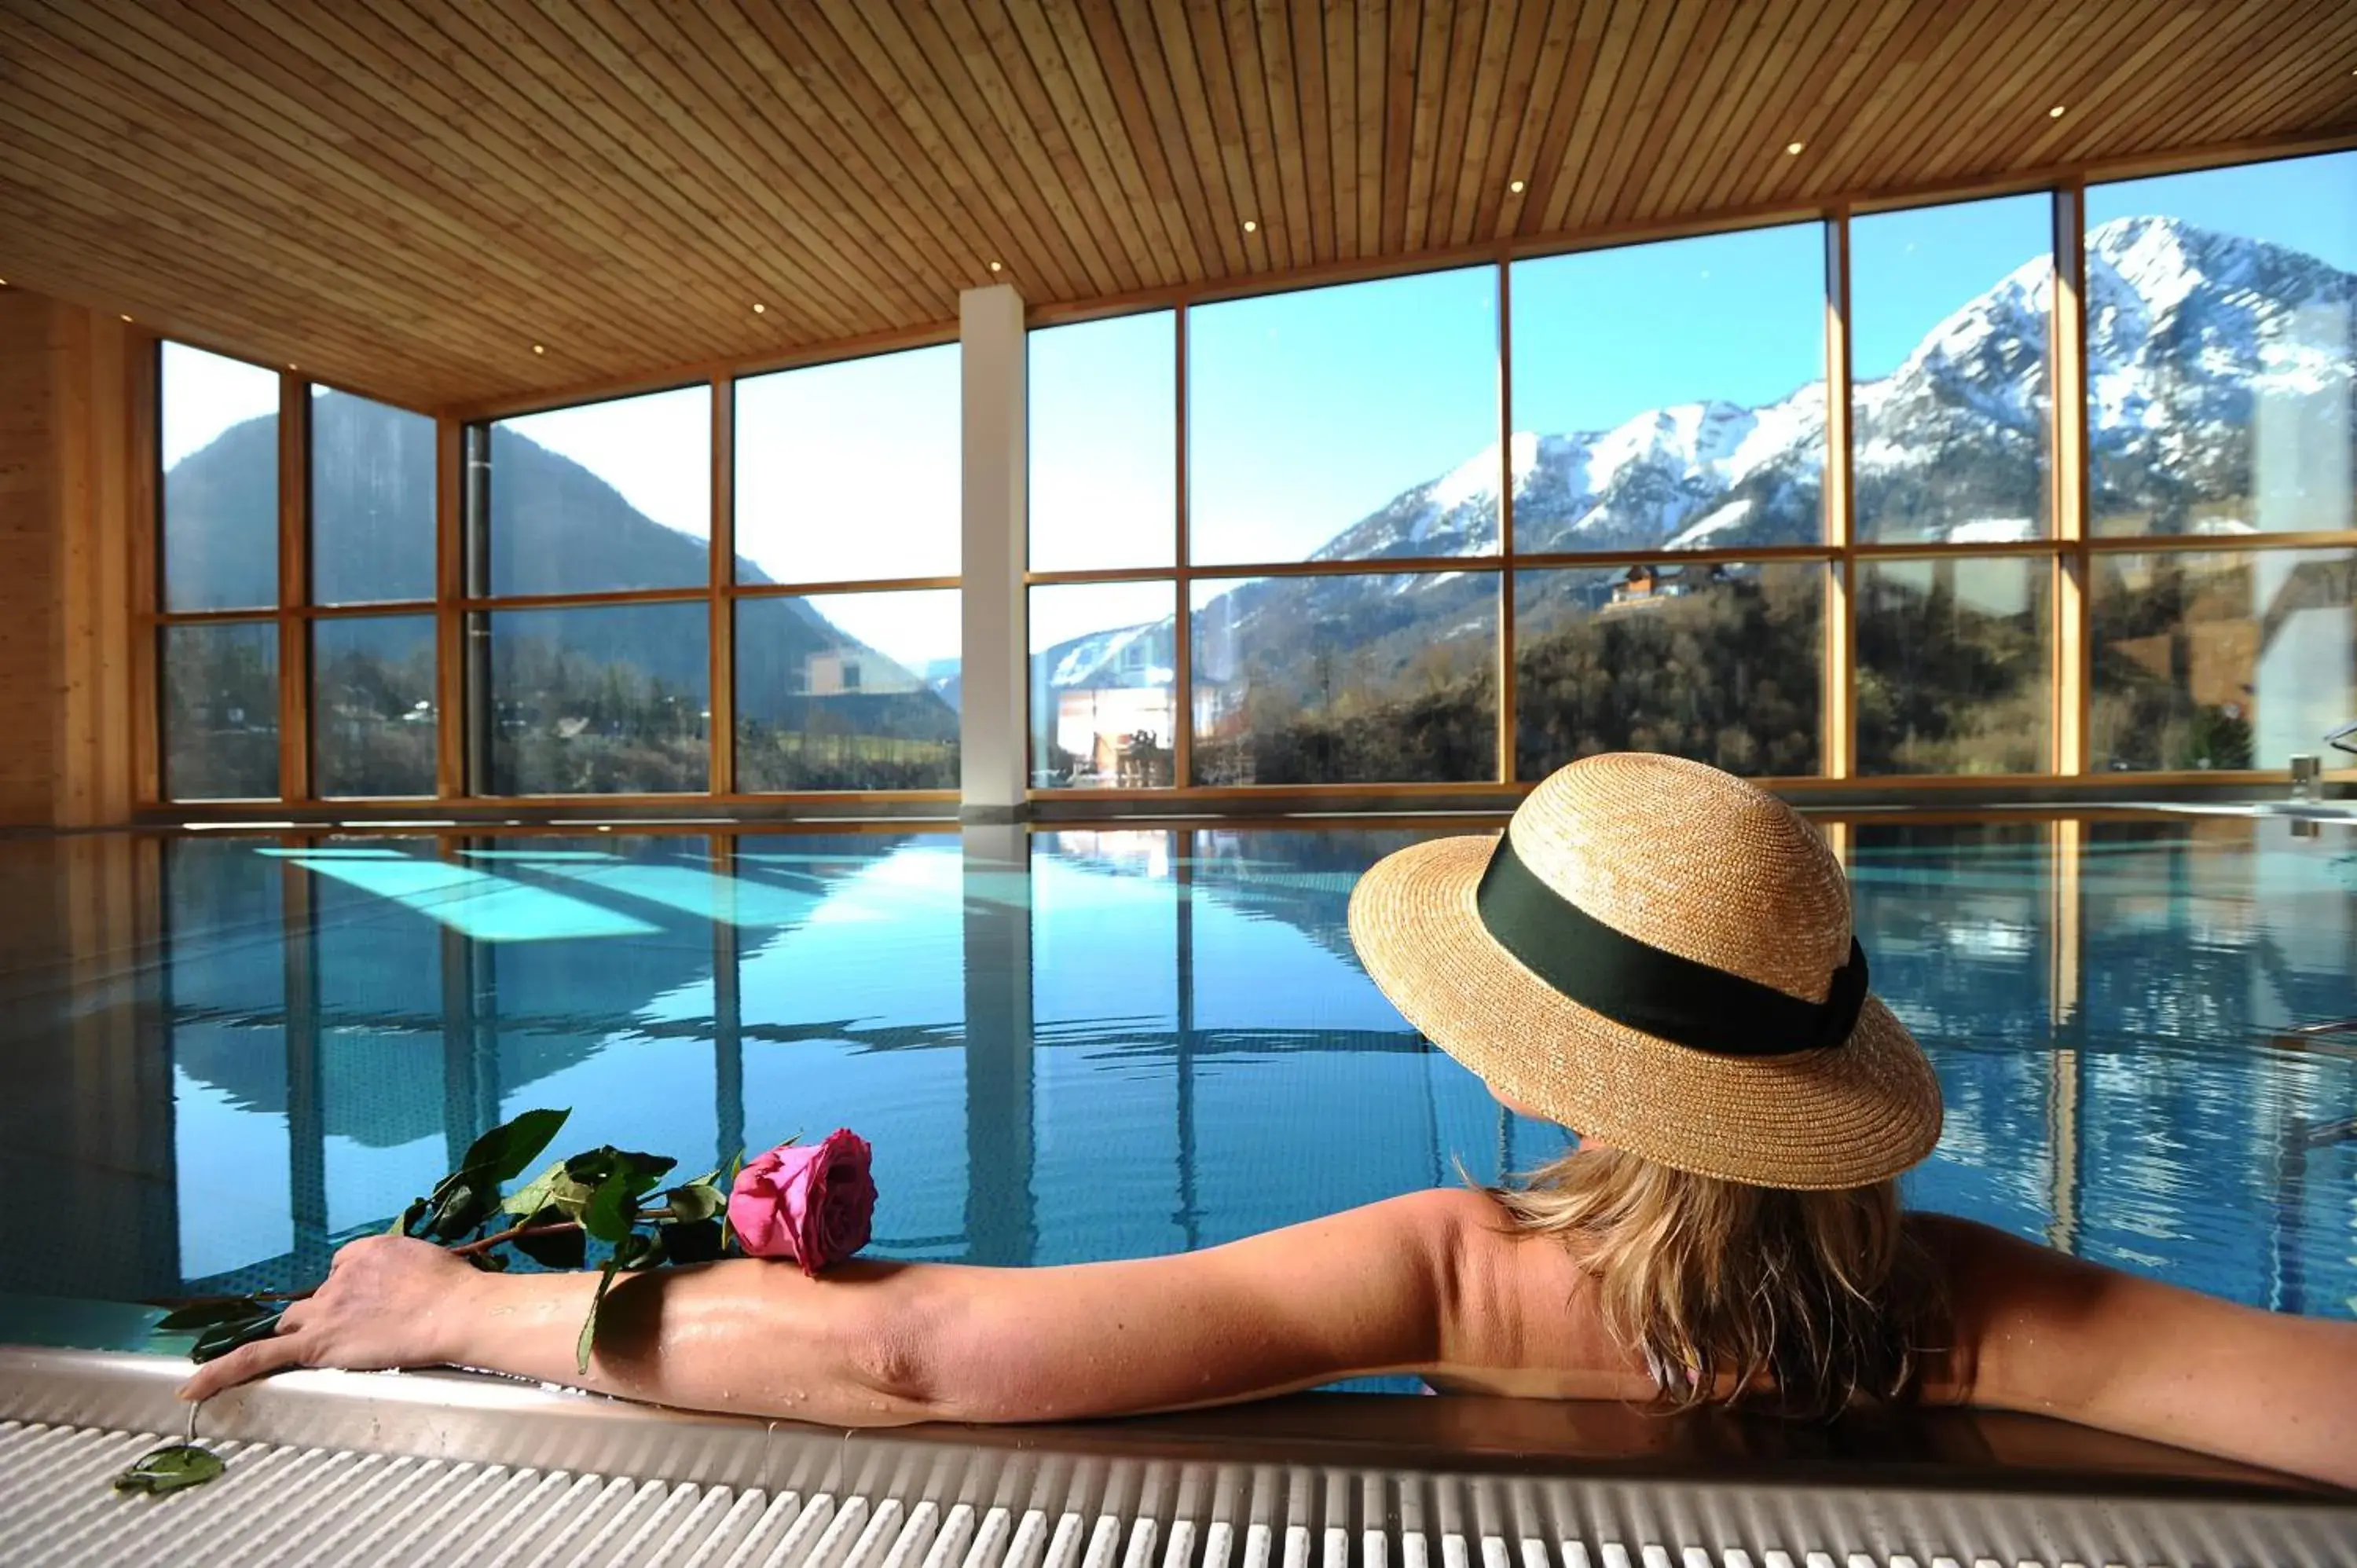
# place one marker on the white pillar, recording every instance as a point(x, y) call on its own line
point(994, 747)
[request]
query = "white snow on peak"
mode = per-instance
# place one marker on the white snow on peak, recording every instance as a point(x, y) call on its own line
point(1706, 528)
point(2150, 256)
point(1993, 531)
point(1476, 478)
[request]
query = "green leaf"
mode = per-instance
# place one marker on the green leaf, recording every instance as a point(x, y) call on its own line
point(608, 1216)
point(551, 1188)
point(173, 1468)
point(488, 1262)
point(460, 1206)
point(506, 1149)
point(409, 1217)
point(696, 1202)
point(222, 1338)
point(693, 1244)
point(207, 1313)
point(557, 1250)
point(636, 1251)
point(589, 1323)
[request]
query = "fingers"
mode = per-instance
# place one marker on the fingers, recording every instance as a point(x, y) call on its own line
point(243, 1364)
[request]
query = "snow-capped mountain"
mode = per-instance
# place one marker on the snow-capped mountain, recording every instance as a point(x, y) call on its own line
point(2219, 378)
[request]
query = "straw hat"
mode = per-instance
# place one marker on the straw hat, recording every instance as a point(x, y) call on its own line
point(1658, 955)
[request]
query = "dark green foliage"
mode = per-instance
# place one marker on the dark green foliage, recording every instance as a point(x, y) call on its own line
point(173, 1468)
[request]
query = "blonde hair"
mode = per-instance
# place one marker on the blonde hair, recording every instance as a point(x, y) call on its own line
point(1732, 1292)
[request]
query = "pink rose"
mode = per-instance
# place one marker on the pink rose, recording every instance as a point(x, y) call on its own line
point(810, 1203)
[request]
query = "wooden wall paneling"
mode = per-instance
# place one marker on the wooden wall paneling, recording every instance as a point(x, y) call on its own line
point(2283, 70)
point(36, 413)
point(143, 514)
point(1815, 81)
point(922, 108)
point(1368, 24)
point(1039, 106)
point(1403, 33)
point(775, 71)
point(1457, 107)
point(1694, 33)
point(721, 128)
point(517, 105)
point(94, 781)
point(1173, 79)
point(208, 118)
point(73, 195)
point(1499, 78)
point(1764, 121)
point(294, 770)
point(313, 83)
point(2002, 74)
point(1113, 104)
point(1260, 40)
point(1627, 131)
point(973, 104)
point(1199, 32)
point(1684, 141)
point(1319, 128)
point(1428, 87)
point(1534, 74)
point(616, 91)
point(1619, 20)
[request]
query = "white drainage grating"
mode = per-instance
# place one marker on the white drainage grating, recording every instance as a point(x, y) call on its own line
point(282, 1504)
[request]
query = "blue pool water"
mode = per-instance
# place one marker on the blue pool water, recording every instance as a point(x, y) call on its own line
point(226, 1053)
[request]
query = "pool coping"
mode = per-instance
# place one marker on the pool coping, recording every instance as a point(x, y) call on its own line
point(469, 1416)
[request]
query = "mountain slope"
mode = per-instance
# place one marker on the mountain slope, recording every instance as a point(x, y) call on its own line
point(553, 524)
point(2220, 370)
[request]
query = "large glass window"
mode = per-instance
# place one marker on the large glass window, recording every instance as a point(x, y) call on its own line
point(1104, 685)
point(219, 450)
point(372, 705)
point(1672, 394)
point(1104, 432)
point(1954, 665)
point(1950, 404)
point(1345, 423)
point(2222, 352)
point(849, 472)
point(847, 692)
point(1346, 680)
point(1720, 662)
point(2221, 660)
point(372, 501)
point(220, 711)
point(605, 497)
point(604, 700)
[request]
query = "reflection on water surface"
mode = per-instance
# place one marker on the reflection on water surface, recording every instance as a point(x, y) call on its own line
point(234, 1052)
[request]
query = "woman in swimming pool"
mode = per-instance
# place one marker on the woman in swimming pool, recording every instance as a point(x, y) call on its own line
point(1655, 954)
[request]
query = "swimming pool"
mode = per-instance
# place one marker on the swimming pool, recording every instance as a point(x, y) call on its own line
point(228, 1053)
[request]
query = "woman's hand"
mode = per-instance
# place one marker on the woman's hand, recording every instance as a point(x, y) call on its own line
point(387, 1302)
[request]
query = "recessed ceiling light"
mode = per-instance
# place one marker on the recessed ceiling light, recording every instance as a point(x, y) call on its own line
point(293, 366)
point(1793, 148)
point(1515, 185)
point(126, 318)
point(759, 308)
point(1250, 225)
point(2055, 112)
point(539, 349)
point(994, 266)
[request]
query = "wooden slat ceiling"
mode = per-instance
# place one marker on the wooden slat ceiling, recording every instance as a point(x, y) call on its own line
point(405, 196)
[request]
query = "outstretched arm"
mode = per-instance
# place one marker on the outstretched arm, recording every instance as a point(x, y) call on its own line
point(881, 1344)
point(2047, 1333)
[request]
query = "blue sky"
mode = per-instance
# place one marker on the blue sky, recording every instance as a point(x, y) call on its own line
point(1309, 409)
